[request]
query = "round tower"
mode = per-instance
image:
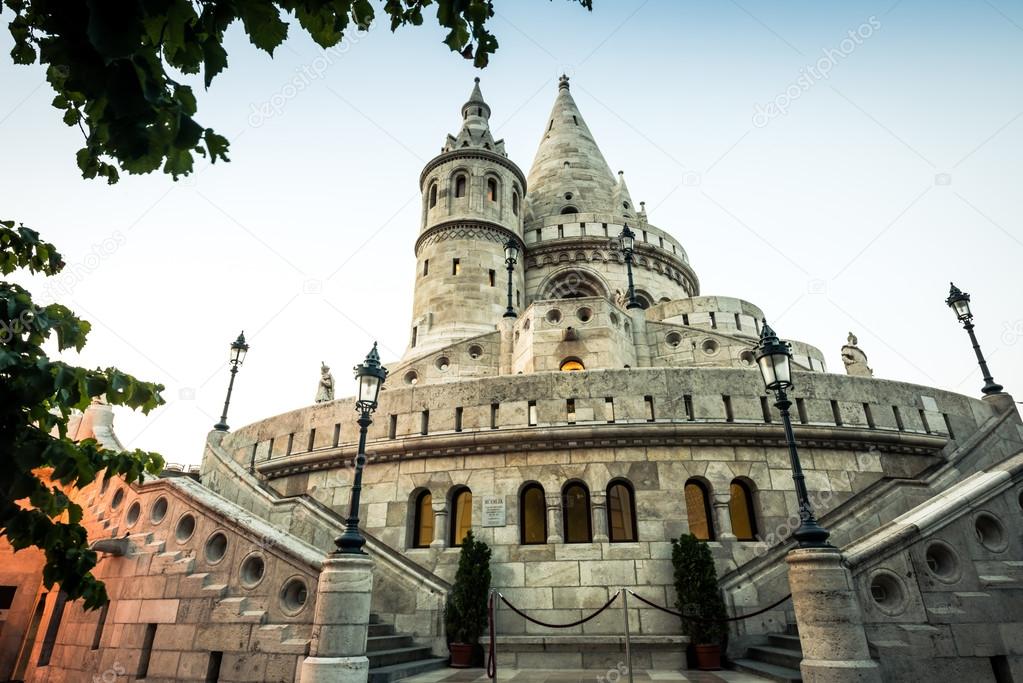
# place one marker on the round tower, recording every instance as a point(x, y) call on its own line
point(472, 205)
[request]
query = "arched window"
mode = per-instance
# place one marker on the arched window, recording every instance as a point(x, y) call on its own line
point(461, 515)
point(515, 203)
point(433, 195)
point(575, 507)
point(621, 512)
point(533, 515)
point(570, 209)
point(572, 365)
point(460, 186)
point(491, 190)
point(740, 510)
point(698, 510)
point(422, 529)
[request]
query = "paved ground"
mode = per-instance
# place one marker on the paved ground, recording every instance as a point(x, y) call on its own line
point(512, 676)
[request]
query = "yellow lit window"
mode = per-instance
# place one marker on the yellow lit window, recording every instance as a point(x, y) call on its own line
point(462, 522)
point(572, 365)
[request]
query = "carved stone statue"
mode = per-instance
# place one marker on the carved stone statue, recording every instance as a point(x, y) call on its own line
point(855, 360)
point(325, 392)
point(620, 298)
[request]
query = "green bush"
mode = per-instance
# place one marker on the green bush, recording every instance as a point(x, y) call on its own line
point(696, 584)
point(465, 616)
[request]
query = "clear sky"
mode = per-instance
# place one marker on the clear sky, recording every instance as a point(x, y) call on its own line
point(837, 182)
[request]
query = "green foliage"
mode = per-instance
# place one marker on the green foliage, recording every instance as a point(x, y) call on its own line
point(37, 394)
point(466, 613)
point(111, 63)
point(696, 584)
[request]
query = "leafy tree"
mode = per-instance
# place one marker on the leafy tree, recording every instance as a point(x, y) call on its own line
point(111, 63)
point(37, 395)
point(466, 612)
point(696, 585)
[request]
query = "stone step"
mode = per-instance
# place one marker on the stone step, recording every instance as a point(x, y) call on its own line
point(769, 671)
point(388, 642)
point(378, 629)
point(779, 656)
point(399, 655)
point(399, 672)
point(786, 641)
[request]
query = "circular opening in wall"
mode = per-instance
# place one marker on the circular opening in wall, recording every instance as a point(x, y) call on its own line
point(747, 358)
point(216, 548)
point(475, 352)
point(614, 318)
point(942, 562)
point(252, 571)
point(709, 347)
point(443, 364)
point(411, 377)
point(990, 532)
point(568, 195)
point(185, 528)
point(294, 595)
point(159, 510)
point(553, 316)
point(118, 498)
point(673, 339)
point(887, 593)
point(132, 515)
point(584, 314)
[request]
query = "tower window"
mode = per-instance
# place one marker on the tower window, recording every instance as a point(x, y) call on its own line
point(698, 510)
point(433, 195)
point(575, 120)
point(571, 365)
point(491, 190)
point(415, 336)
point(426, 267)
point(575, 504)
point(461, 519)
point(456, 266)
point(533, 515)
point(740, 510)
point(460, 186)
point(621, 512)
point(422, 523)
point(515, 203)
point(493, 277)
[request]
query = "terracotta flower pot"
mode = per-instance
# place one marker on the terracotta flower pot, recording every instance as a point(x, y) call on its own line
point(708, 657)
point(461, 655)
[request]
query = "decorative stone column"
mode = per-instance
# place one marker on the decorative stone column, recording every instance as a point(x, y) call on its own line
point(440, 523)
point(723, 517)
point(598, 510)
point(639, 338)
point(340, 622)
point(829, 619)
point(507, 345)
point(554, 524)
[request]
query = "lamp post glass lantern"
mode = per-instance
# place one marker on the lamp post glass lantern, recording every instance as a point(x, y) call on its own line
point(237, 356)
point(959, 302)
point(370, 375)
point(627, 238)
point(511, 257)
point(774, 358)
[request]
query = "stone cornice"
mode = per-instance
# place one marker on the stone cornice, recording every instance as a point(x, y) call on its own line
point(566, 437)
point(472, 153)
point(469, 223)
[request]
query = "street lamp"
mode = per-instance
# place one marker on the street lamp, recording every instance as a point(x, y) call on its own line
point(628, 240)
point(959, 302)
point(238, 350)
point(774, 359)
point(511, 257)
point(370, 375)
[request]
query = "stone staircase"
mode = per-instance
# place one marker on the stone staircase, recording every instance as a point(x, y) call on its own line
point(393, 656)
point(778, 660)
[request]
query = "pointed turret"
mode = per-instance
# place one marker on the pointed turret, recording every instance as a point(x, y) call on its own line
point(569, 174)
point(475, 132)
point(621, 200)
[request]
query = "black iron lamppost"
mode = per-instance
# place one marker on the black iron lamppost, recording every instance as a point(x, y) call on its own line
point(511, 257)
point(370, 375)
point(774, 358)
point(959, 302)
point(628, 240)
point(238, 350)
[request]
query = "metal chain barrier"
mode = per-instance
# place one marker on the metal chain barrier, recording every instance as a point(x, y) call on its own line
point(708, 621)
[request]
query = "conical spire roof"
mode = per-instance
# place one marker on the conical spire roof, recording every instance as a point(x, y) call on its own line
point(621, 200)
point(569, 172)
point(475, 132)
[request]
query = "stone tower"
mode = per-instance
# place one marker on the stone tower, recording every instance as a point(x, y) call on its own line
point(473, 200)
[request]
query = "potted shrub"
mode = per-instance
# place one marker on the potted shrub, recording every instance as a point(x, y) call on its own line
point(696, 584)
point(465, 616)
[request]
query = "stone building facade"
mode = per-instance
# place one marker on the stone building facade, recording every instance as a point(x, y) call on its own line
point(577, 437)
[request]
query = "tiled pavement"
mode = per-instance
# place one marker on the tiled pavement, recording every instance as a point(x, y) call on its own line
point(538, 676)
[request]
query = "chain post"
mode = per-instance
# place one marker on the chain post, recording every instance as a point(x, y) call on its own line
point(628, 634)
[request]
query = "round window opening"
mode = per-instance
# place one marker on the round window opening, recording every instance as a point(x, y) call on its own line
point(554, 316)
point(475, 352)
point(887, 593)
point(252, 571)
point(568, 195)
point(584, 314)
point(118, 498)
point(990, 532)
point(411, 377)
point(132, 516)
point(443, 364)
point(747, 358)
point(159, 510)
point(673, 339)
point(294, 595)
point(216, 548)
point(185, 528)
point(709, 347)
point(942, 562)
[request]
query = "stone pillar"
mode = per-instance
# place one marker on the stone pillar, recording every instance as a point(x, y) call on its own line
point(639, 338)
point(340, 622)
point(440, 523)
point(829, 619)
point(598, 510)
point(507, 345)
point(723, 517)
point(554, 524)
